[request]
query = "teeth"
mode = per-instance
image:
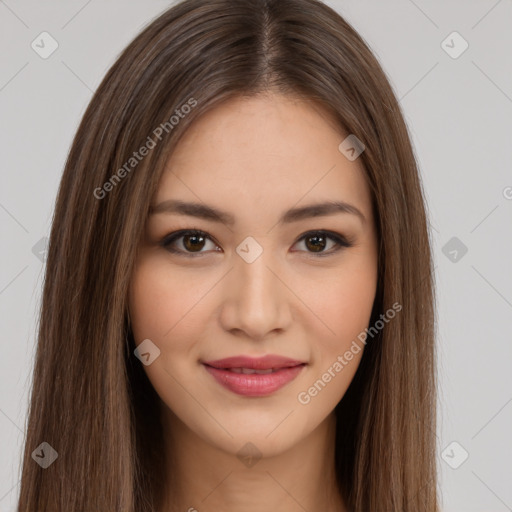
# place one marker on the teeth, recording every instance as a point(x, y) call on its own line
point(248, 371)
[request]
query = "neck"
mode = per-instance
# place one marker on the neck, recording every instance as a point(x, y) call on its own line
point(204, 478)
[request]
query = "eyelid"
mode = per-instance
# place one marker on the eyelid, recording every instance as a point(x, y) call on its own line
point(342, 241)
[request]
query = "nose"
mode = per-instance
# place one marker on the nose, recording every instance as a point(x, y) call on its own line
point(256, 301)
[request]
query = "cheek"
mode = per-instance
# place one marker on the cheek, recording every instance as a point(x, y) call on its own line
point(355, 299)
point(151, 312)
point(160, 301)
point(344, 301)
point(345, 307)
point(162, 309)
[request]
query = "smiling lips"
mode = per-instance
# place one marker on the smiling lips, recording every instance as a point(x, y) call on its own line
point(249, 376)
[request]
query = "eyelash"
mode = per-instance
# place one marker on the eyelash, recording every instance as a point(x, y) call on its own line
point(340, 240)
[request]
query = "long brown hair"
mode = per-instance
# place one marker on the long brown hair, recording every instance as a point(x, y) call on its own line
point(90, 399)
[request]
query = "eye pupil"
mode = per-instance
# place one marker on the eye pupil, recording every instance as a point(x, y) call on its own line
point(193, 237)
point(317, 246)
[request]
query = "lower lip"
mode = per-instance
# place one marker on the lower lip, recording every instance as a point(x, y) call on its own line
point(254, 384)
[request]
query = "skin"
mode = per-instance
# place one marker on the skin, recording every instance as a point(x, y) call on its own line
point(255, 158)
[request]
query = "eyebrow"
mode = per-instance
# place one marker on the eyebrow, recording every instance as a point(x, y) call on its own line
point(206, 212)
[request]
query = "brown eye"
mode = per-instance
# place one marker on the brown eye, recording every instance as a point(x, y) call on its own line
point(192, 242)
point(317, 241)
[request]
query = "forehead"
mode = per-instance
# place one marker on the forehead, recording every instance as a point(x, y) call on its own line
point(264, 151)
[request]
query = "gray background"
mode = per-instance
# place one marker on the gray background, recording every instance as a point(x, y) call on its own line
point(459, 115)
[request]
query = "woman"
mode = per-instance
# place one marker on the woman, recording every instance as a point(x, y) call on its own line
point(275, 352)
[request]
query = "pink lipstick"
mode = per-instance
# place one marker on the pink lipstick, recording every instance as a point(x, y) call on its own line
point(250, 376)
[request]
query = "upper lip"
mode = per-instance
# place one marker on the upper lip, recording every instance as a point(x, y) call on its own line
point(256, 363)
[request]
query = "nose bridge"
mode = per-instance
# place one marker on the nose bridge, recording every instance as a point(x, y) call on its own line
point(255, 301)
point(257, 290)
point(257, 282)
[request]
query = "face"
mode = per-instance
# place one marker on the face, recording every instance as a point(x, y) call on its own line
point(263, 278)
